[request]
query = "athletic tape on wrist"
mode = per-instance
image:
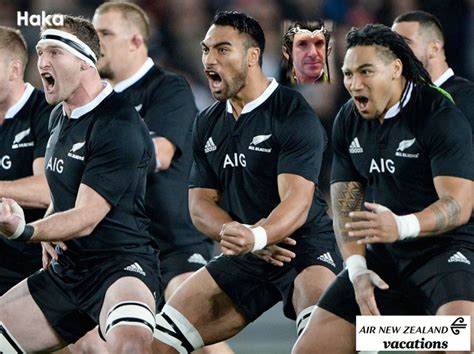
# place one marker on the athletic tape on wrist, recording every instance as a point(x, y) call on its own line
point(356, 265)
point(408, 226)
point(260, 238)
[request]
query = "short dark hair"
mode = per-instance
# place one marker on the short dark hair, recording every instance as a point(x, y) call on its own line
point(390, 45)
point(289, 36)
point(81, 28)
point(244, 24)
point(14, 43)
point(426, 20)
point(132, 13)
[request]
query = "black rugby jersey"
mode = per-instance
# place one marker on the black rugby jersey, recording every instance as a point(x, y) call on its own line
point(462, 92)
point(103, 145)
point(166, 103)
point(396, 161)
point(23, 137)
point(276, 133)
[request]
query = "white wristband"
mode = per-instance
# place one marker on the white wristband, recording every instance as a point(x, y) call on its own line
point(408, 226)
point(356, 264)
point(19, 230)
point(260, 238)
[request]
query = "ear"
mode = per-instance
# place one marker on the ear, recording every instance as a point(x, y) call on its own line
point(253, 54)
point(136, 41)
point(397, 69)
point(15, 69)
point(434, 48)
point(329, 50)
point(285, 52)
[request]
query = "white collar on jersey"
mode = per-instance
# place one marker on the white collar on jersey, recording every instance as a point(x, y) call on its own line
point(259, 100)
point(444, 77)
point(125, 84)
point(13, 110)
point(395, 109)
point(80, 111)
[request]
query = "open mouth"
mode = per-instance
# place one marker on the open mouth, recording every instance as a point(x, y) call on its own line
point(215, 80)
point(48, 81)
point(361, 102)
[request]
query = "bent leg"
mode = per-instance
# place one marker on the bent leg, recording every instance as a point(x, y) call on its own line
point(210, 312)
point(22, 318)
point(127, 316)
point(459, 308)
point(217, 348)
point(91, 343)
point(318, 337)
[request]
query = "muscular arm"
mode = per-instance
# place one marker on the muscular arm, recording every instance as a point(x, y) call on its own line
point(89, 210)
point(346, 197)
point(296, 195)
point(29, 192)
point(453, 208)
point(205, 212)
point(164, 152)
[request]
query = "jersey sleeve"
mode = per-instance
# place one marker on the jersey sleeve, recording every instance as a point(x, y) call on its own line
point(41, 131)
point(342, 169)
point(172, 111)
point(448, 138)
point(302, 141)
point(114, 151)
point(202, 175)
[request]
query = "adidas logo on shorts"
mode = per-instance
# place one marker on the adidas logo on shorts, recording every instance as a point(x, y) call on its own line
point(326, 257)
point(210, 146)
point(355, 147)
point(197, 258)
point(135, 267)
point(459, 257)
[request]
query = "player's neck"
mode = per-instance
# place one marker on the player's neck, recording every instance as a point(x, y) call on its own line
point(89, 88)
point(15, 92)
point(129, 68)
point(437, 69)
point(254, 87)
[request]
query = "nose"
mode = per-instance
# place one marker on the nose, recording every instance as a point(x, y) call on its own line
point(356, 83)
point(208, 58)
point(43, 61)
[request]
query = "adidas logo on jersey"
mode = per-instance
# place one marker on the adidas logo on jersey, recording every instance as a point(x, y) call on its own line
point(355, 148)
point(326, 257)
point(19, 137)
point(458, 257)
point(197, 258)
point(135, 267)
point(210, 146)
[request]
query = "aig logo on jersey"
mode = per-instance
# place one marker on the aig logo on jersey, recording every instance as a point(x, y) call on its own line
point(18, 140)
point(257, 140)
point(74, 150)
point(405, 144)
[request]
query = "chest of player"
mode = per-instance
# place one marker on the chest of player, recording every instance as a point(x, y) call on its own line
point(388, 150)
point(17, 144)
point(65, 156)
point(245, 146)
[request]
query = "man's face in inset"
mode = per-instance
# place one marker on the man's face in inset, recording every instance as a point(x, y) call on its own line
point(309, 55)
point(224, 56)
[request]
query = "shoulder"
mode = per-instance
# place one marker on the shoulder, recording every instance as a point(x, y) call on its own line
point(158, 77)
point(211, 113)
point(114, 110)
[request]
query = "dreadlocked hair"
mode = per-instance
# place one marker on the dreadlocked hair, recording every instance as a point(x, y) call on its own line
point(390, 46)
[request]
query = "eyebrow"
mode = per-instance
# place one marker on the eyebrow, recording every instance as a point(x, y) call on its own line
point(360, 67)
point(216, 45)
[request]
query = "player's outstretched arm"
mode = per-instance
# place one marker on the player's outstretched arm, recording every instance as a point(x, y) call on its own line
point(205, 212)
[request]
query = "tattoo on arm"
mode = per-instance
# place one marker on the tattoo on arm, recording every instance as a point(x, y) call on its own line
point(447, 214)
point(346, 197)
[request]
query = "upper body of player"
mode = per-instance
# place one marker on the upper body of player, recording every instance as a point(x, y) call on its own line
point(166, 103)
point(424, 34)
point(256, 151)
point(403, 145)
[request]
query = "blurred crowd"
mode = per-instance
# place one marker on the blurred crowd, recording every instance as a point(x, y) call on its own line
point(179, 26)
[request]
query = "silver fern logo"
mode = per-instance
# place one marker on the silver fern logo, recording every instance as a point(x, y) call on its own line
point(258, 139)
point(403, 145)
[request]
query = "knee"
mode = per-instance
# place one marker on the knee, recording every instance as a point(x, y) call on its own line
point(129, 340)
